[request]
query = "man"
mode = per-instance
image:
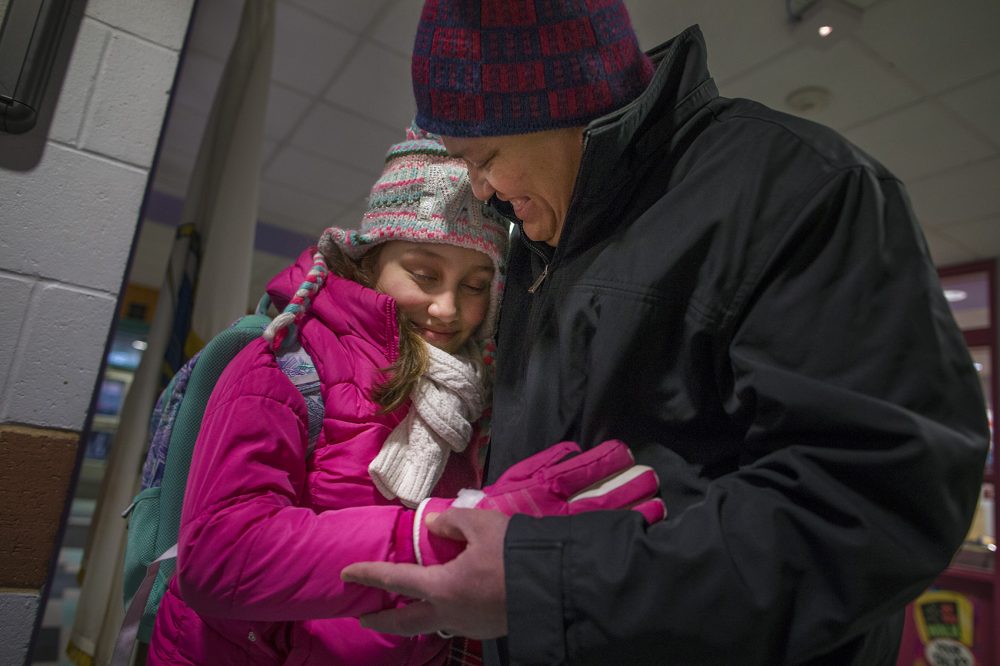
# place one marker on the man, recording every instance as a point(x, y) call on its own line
point(741, 296)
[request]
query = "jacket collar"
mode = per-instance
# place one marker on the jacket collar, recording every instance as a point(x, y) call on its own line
point(344, 306)
point(619, 144)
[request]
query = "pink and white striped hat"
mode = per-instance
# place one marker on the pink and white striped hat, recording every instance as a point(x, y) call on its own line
point(422, 196)
point(425, 196)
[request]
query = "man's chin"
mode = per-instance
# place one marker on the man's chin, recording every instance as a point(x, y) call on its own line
point(539, 233)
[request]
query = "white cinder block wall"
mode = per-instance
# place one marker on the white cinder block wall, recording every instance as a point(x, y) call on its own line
point(66, 227)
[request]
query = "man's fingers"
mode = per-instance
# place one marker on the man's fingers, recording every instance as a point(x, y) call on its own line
point(467, 524)
point(416, 618)
point(411, 580)
point(444, 525)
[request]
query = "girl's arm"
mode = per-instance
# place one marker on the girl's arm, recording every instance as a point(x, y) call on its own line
point(248, 550)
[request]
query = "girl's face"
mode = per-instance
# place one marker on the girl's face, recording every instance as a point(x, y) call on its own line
point(443, 290)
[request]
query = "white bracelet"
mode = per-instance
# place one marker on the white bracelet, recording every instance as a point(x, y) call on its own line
point(418, 518)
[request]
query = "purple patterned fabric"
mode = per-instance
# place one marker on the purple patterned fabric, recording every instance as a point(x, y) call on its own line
point(161, 425)
point(498, 67)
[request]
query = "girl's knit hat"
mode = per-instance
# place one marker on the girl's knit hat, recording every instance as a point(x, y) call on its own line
point(497, 67)
point(422, 196)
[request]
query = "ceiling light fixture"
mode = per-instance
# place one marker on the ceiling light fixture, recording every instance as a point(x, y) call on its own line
point(955, 295)
point(808, 99)
point(822, 23)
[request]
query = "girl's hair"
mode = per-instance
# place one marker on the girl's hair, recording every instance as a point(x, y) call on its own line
point(401, 376)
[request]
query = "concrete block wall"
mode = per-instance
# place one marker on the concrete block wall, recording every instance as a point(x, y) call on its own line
point(70, 196)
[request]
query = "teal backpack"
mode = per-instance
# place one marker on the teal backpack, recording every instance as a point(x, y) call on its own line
point(154, 515)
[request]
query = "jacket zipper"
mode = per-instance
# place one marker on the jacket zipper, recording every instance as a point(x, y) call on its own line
point(539, 280)
point(538, 253)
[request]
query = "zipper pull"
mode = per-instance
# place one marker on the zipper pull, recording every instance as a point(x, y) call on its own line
point(538, 282)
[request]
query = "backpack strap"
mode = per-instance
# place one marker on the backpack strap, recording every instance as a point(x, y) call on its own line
point(129, 632)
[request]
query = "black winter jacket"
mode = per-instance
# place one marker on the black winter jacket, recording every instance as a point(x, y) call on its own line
point(746, 299)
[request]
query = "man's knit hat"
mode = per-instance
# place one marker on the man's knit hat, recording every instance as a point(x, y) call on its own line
point(422, 196)
point(497, 67)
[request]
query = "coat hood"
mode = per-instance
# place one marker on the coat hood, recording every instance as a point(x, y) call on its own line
point(345, 306)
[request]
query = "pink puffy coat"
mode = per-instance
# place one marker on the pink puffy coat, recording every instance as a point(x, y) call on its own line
point(265, 532)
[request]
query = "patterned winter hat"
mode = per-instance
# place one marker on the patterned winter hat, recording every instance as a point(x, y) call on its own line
point(496, 67)
point(423, 196)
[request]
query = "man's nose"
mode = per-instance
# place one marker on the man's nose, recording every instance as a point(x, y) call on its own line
point(481, 188)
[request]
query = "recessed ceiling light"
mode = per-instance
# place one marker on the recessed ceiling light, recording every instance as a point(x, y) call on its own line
point(955, 295)
point(809, 99)
point(823, 23)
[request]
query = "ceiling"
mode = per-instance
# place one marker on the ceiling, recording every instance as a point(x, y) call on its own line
point(916, 84)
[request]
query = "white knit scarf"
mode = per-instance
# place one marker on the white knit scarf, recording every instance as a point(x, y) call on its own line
point(446, 401)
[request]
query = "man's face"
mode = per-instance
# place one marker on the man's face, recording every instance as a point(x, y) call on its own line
point(534, 172)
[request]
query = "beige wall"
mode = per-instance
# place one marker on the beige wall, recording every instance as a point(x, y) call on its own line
point(70, 194)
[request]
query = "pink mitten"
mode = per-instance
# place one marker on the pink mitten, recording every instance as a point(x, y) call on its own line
point(550, 484)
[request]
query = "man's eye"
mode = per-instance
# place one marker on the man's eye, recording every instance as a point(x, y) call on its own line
point(476, 288)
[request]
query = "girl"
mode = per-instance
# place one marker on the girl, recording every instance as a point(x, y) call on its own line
point(395, 318)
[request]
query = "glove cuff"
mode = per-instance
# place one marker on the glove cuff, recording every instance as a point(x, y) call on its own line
point(430, 549)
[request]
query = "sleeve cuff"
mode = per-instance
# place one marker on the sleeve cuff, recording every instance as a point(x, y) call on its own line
point(533, 568)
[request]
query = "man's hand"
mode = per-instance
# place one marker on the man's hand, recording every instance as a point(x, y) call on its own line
point(465, 597)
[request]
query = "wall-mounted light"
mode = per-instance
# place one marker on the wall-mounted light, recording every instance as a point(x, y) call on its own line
point(822, 23)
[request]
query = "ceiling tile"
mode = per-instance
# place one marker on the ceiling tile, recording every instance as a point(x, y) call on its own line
point(310, 173)
point(965, 193)
point(284, 111)
point(937, 44)
point(920, 140)
point(377, 84)
point(351, 14)
point(345, 137)
point(740, 35)
point(945, 250)
point(859, 89)
point(980, 235)
point(307, 50)
point(293, 209)
point(979, 104)
point(398, 26)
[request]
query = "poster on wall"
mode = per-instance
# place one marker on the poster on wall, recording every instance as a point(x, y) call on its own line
point(950, 631)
